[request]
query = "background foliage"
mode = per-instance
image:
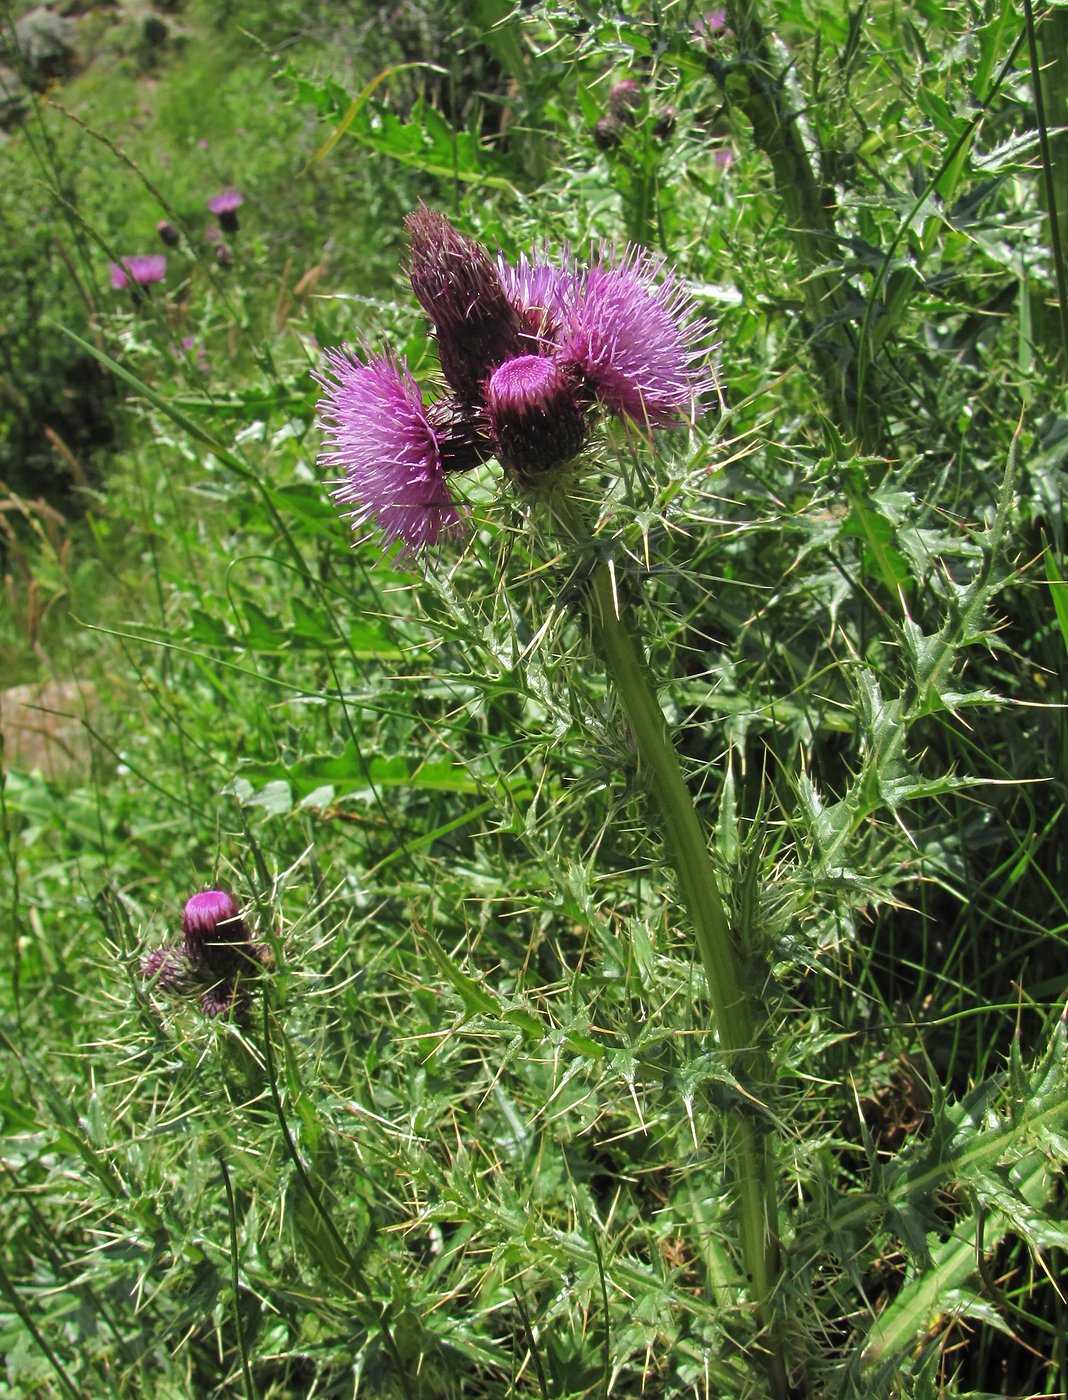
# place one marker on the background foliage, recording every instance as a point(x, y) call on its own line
point(469, 1142)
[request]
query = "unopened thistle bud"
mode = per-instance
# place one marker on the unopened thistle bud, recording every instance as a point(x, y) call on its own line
point(458, 287)
point(607, 134)
point(625, 101)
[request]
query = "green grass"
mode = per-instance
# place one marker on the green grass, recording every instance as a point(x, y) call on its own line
point(476, 1136)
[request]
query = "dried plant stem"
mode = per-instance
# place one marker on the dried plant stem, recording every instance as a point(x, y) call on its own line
point(735, 1016)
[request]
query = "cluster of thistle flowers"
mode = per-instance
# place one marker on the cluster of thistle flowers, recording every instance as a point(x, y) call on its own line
point(216, 957)
point(144, 269)
point(532, 354)
point(625, 103)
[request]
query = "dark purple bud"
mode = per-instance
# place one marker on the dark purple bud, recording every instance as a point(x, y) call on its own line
point(460, 290)
point(224, 258)
point(664, 124)
point(607, 134)
point(167, 967)
point(460, 430)
point(219, 1000)
point(625, 101)
point(536, 415)
point(168, 233)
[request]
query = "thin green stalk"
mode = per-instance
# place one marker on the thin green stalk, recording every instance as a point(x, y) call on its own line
point(733, 1010)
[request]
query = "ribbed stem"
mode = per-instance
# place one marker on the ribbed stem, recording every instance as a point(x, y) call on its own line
point(733, 1008)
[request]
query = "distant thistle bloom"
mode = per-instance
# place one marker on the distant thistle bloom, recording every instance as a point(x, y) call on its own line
point(607, 133)
point(141, 270)
point(168, 233)
point(225, 206)
point(532, 351)
point(381, 437)
point(664, 125)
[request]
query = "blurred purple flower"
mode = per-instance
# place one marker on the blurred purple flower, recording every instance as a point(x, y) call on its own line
point(142, 269)
point(710, 26)
point(723, 156)
point(380, 436)
point(625, 101)
point(168, 233)
point(225, 206)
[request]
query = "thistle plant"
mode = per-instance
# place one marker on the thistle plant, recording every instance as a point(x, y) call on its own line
point(216, 957)
point(534, 354)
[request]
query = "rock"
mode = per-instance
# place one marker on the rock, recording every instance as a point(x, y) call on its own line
point(42, 728)
point(14, 99)
point(46, 43)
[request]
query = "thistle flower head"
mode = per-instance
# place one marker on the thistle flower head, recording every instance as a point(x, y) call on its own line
point(226, 202)
point(710, 27)
point(540, 291)
point(225, 206)
point(530, 351)
point(168, 233)
point(634, 336)
point(215, 934)
point(380, 436)
point(220, 999)
point(141, 270)
point(536, 416)
point(458, 287)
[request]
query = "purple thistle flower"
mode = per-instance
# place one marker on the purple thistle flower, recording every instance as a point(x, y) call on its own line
point(530, 350)
point(390, 449)
point(540, 291)
point(215, 934)
point(225, 206)
point(142, 269)
point(633, 334)
point(536, 415)
point(215, 958)
point(168, 233)
point(459, 288)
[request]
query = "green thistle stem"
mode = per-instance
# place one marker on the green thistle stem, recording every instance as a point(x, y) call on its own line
point(733, 1009)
